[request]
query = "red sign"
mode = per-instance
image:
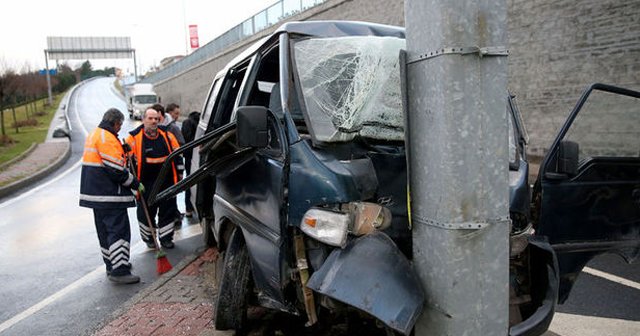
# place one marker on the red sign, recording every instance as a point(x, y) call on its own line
point(193, 36)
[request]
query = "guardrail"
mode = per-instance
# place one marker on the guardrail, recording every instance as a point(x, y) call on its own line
point(261, 21)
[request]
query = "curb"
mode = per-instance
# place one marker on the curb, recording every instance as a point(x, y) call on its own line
point(42, 173)
point(153, 286)
point(19, 157)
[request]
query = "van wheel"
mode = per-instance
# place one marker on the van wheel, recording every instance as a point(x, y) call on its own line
point(233, 272)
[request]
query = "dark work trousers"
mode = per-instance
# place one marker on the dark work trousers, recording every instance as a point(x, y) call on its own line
point(187, 193)
point(166, 211)
point(114, 234)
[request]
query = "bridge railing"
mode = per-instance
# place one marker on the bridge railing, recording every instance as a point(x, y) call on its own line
point(260, 21)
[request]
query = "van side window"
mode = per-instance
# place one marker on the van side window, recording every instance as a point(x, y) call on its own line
point(265, 92)
point(230, 87)
point(212, 99)
point(265, 80)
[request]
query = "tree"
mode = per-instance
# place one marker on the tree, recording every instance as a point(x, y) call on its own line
point(7, 88)
point(86, 70)
point(66, 77)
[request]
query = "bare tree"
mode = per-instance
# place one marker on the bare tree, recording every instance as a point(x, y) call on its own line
point(5, 83)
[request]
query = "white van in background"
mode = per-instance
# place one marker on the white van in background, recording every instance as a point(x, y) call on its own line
point(139, 96)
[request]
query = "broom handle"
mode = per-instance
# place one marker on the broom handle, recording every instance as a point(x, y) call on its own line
point(153, 230)
point(144, 207)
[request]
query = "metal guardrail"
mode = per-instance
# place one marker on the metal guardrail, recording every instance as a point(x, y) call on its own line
point(259, 22)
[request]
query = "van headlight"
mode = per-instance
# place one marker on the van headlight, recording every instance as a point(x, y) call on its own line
point(332, 225)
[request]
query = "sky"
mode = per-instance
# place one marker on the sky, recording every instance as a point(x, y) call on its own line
point(158, 28)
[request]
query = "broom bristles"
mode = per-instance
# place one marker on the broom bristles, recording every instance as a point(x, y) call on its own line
point(162, 265)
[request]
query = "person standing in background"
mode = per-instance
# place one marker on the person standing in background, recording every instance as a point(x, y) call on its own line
point(174, 112)
point(167, 120)
point(189, 127)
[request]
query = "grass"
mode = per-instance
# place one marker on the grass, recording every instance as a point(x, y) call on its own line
point(27, 134)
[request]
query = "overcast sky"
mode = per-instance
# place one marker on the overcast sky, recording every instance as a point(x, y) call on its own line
point(156, 27)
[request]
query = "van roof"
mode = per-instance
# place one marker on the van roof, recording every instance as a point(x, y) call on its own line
point(340, 28)
point(329, 28)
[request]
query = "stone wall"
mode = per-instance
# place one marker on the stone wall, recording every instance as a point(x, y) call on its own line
point(557, 48)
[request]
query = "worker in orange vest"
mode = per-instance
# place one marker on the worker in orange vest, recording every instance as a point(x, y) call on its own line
point(105, 186)
point(151, 144)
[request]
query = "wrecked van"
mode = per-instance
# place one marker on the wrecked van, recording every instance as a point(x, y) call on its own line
point(300, 174)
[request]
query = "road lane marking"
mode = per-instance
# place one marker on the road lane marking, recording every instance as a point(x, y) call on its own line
point(138, 248)
point(52, 298)
point(40, 187)
point(612, 277)
point(580, 325)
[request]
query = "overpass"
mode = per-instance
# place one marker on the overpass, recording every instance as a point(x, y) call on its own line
point(557, 48)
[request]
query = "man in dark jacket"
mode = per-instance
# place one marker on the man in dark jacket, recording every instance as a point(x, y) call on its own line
point(189, 127)
point(151, 144)
point(171, 126)
point(105, 186)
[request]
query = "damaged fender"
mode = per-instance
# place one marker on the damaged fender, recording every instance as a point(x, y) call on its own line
point(371, 274)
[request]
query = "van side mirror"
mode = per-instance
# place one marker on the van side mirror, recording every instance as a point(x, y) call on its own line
point(251, 124)
point(566, 161)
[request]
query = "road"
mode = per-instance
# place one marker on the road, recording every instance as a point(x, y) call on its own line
point(52, 275)
point(605, 301)
point(53, 280)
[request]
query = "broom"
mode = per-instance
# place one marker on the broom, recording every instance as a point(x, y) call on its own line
point(162, 263)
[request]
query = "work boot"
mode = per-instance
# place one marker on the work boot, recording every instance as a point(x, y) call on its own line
point(167, 244)
point(150, 245)
point(124, 279)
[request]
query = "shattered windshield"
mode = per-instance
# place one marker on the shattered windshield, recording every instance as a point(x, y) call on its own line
point(351, 86)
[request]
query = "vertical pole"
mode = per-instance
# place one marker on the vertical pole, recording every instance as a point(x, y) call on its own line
point(46, 63)
point(184, 29)
point(458, 164)
point(135, 67)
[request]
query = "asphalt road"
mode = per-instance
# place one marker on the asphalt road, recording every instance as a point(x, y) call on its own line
point(52, 275)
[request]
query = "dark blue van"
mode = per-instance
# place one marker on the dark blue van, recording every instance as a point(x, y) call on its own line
point(300, 174)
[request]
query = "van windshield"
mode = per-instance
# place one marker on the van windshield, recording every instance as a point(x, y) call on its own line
point(145, 99)
point(351, 86)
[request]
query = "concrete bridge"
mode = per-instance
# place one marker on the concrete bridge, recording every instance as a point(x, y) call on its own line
point(557, 48)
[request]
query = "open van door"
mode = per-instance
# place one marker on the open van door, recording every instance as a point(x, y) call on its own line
point(587, 196)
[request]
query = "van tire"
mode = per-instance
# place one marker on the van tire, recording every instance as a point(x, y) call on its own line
point(233, 274)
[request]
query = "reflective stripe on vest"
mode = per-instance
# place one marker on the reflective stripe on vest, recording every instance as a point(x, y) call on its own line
point(116, 199)
point(156, 160)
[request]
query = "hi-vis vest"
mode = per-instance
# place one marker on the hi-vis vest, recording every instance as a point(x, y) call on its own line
point(134, 139)
point(105, 182)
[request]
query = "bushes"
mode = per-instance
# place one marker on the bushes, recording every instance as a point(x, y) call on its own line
point(6, 140)
point(27, 122)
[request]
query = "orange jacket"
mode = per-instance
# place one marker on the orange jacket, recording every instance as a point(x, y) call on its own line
point(104, 172)
point(135, 138)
